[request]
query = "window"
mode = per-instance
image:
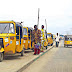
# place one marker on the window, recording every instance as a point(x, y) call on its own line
point(11, 28)
point(6, 28)
point(24, 31)
point(48, 35)
point(29, 33)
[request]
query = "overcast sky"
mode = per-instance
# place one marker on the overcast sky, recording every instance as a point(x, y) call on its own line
point(58, 13)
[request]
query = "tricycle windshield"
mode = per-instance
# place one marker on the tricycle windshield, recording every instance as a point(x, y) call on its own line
point(24, 31)
point(68, 39)
point(48, 35)
point(6, 28)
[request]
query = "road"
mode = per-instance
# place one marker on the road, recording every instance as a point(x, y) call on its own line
point(13, 63)
point(56, 60)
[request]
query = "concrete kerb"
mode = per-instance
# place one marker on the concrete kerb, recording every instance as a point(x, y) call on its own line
point(29, 63)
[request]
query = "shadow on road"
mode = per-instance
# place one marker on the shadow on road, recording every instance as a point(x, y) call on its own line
point(28, 51)
point(12, 57)
point(65, 47)
point(16, 56)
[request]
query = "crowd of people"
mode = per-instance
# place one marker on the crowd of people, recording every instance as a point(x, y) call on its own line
point(38, 37)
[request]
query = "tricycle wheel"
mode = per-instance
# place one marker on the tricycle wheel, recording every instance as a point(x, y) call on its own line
point(51, 44)
point(64, 45)
point(22, 52)
point(46, 47)
point(1, 57)
point(33, 49)
point(67, 45)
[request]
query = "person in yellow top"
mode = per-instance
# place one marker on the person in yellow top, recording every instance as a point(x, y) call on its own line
point(42, 37)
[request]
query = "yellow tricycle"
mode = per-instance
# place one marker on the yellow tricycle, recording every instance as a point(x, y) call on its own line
point(46, 40)
point(50, 39)
point(11, 38)
point(67, 40)
point(27, 36)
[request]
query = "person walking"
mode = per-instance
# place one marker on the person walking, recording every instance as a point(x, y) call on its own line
point(36, 34)
point(42, 38)
point(57, 40)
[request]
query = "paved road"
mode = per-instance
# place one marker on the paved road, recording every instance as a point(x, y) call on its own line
point(56, 60)
point(15, 62)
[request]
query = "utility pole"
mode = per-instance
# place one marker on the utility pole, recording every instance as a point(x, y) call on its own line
point(38, 17)
point(46, 24)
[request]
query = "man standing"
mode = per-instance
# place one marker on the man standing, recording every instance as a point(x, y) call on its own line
point(36, 35)
point(42, 37)
point(57, 40)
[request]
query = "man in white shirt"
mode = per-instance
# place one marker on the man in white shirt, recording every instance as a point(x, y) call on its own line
point(57, 40)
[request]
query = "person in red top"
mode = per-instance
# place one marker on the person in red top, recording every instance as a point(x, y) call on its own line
point(36, 35)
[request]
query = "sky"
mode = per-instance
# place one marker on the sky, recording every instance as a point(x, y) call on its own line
point(58, 13)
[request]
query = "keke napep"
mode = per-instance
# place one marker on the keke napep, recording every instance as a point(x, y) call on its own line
point(67, 40)
point(11, 38)
point(50, 38)
point(27, 36)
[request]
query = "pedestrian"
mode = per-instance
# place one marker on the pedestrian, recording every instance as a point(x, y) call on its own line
point(46, 38)
point(57, 40)
point(42, 38)
point(36, 35)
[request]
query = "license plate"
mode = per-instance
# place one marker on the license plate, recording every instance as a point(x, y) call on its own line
point(70, 42)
